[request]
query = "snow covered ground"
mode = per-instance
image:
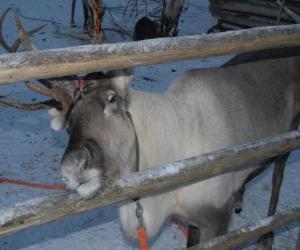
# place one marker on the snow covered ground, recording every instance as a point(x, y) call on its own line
point(31, 151)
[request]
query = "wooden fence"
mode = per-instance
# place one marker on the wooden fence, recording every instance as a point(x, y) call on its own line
point(41, 64)
point(90, 58)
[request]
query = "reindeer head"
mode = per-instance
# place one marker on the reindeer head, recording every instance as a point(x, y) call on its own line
point(102, 143)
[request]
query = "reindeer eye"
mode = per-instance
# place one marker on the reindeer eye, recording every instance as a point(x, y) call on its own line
point(111, 98)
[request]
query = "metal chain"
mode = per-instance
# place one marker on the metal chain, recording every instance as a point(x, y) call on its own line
point(139, 213)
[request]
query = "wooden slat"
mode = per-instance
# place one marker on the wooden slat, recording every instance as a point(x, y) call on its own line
point(153, 180)
point(251, 231)
point(267, 10)
point(69, 61)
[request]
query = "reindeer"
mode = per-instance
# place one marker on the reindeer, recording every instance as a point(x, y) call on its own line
point(145, 28)
point(114, 130)
point(171, 11)
point(88, 13)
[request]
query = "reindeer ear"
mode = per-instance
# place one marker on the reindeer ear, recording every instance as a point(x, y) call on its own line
point(121, 80)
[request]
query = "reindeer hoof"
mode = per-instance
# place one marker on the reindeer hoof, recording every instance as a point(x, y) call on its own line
point(72, 23)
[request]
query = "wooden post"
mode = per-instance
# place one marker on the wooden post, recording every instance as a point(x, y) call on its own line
point(151, 181)
point(90, 58)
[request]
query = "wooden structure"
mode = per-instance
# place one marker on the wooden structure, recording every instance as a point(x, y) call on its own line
point(90, 58)
point(60, 62)
point(241, 14)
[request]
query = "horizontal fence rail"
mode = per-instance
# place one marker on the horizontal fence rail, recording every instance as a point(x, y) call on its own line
point(90, 58)
point(239, 236)
point(166, 177)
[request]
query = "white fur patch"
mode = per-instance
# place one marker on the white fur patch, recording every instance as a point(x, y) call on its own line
point(90, 188)
point(57, 119)
point(86, 183)
point(156, 210)
point(122, 81)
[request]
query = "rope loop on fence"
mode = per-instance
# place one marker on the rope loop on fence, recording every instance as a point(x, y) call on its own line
point(97, 22)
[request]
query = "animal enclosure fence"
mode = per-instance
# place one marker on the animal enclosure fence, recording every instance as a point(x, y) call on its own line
point(235, 14)
point(83, 59)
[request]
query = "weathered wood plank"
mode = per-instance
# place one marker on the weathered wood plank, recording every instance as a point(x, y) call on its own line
point(239, 236)
point(246, 20)
point(289, 12)
point(154, 180)
point(267, 10)
point(82, 59)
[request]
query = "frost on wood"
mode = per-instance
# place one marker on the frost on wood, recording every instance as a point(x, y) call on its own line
point(90, 58)
point(21, 209)
point(236, 237)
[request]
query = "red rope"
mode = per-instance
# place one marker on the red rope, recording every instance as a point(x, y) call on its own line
point(141, 231)
point(180, 226)
point(32, 185)
point(143, 238)
point(97, 22)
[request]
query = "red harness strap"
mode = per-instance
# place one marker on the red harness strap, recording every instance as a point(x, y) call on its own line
point(33, 185)
point(143, 237)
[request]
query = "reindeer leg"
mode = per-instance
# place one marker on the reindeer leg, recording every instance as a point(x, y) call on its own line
point(277, 181)
point(72, 22)
point(175, 29)
point(193, 236)
point(162, 19)
point(238, 207)
point(86, 17)
point(215, 223)
point(266, 241)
